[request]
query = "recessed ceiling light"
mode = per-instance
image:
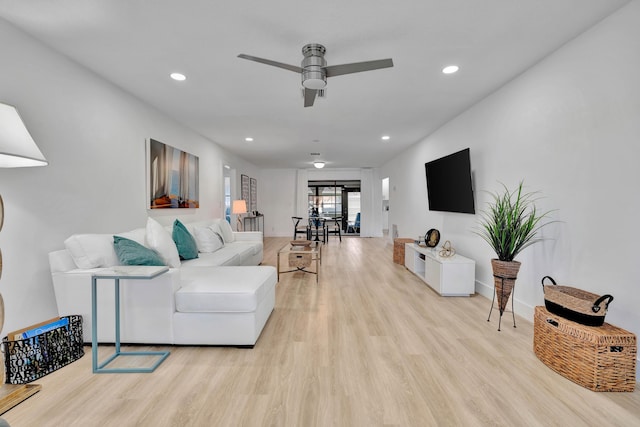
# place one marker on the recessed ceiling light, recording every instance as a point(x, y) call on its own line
point(178, 76)
point(318, 164)
point(450, 69)
point(248, 139)
point(386, 138)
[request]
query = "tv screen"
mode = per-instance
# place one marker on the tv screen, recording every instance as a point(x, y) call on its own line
point(449, 183)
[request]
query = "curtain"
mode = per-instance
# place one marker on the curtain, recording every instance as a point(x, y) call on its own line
point(366, 203)
point(302, 188)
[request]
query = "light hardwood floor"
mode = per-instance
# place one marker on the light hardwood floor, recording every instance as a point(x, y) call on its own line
point(370, 345)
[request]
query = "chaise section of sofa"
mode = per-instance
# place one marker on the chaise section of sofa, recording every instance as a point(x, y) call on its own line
point(221, 297)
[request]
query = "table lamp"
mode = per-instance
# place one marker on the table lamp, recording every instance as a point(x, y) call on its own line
point(17, 150)
point(239, 207)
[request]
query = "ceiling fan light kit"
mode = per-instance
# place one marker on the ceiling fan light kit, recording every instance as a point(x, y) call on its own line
point(313, 65)
point(314, 70)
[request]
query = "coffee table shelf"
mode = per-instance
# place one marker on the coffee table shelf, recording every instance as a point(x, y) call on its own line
point(308, 249)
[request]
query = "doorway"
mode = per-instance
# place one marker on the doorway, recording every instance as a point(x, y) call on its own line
point(336, 199)
point(385, 206)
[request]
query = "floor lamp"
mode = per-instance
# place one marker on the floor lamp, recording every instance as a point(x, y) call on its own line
point(17, 150)
point(239, 207)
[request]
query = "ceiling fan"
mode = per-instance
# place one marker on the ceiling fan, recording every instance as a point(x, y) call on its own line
point(314, 70)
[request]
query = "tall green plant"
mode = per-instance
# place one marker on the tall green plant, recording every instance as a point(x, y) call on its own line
point(511, 222)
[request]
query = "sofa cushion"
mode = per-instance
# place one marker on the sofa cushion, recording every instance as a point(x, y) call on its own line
point(209, 239)
point(213, 259)
point(254, 247)
point(92, 250)
point(233, 254)
point(137, 235)
point(227, 232)
point(224, 289)
point(96, 250)
point(185, 242)
point(132, 253)
point(160, 240)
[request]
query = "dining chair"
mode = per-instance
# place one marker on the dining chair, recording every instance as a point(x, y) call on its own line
point(355, 225)
point(334, 228)
point(318, 229)
point(300, 228)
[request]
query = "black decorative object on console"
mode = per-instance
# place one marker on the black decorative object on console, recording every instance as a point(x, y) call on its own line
point(432, 238)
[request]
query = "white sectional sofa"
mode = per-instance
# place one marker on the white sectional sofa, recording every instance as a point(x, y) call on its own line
point(222, 297)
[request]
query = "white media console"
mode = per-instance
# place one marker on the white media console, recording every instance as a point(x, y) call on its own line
point(448, 276)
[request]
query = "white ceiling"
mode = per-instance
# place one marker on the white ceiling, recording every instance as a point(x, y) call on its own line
point(136, 44)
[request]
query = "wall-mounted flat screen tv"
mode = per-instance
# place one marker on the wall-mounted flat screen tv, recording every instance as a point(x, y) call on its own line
point(449, 185)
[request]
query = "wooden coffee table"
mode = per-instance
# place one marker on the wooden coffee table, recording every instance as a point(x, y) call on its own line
point(300, 255)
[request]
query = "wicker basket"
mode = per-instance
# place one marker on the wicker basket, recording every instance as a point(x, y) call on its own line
point(505, 274)
point(575, 304)
point(598, 358)
point(298, 260)
point(28, 359)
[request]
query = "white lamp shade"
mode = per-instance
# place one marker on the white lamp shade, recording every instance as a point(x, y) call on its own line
point(239, 207)
point(17, 147)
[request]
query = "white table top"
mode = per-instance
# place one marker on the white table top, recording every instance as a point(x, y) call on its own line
point(130, 272)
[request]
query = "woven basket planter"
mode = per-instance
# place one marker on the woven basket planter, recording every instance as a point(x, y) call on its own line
point(505, 274)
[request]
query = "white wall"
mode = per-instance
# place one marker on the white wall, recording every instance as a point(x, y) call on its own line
point(277, 191)
point(93, 135)
point(569, 127)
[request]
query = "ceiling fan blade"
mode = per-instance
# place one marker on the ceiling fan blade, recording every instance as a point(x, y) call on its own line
point(309, 97)
point(293, 68)
point(357, 67)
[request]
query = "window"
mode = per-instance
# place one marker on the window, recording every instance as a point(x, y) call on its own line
point(334, 199)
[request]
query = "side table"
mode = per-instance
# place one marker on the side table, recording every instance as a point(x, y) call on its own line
point(398, 249)
point(254, 223)
point(117, 273)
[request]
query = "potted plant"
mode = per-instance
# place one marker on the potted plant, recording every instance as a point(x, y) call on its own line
point(509, 225)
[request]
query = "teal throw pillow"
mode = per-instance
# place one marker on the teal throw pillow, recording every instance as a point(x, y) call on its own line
point(185, 242)
point(133, 253)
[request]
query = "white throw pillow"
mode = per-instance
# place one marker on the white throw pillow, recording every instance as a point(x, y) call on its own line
point(159, 239)
point(227, 232)
point(92, 250)
point(136, 235)
point(208, 239)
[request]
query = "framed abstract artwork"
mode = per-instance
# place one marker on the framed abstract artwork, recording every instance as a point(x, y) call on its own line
point(173, 177)
point(253, 193)
point(245, 190)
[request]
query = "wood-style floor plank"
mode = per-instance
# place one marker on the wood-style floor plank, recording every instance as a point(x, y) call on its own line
point(370, 345)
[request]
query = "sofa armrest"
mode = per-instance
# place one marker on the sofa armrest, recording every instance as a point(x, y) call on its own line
point(247, 236)
point(61, 261)
point(147, 306)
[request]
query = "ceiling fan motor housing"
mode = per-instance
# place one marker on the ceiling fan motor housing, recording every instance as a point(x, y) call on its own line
point(313, 74)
